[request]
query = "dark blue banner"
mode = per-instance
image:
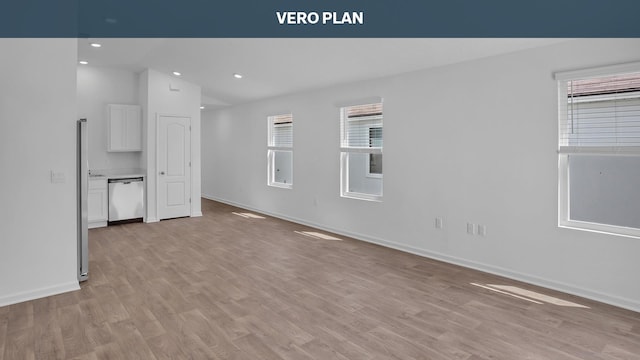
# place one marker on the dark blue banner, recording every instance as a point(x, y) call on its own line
point(319, 18)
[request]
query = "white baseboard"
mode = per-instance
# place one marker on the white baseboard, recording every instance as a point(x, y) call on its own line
point(196, 214)
point(625, 303)
point(39, 293)
point(97, 224)
point(150, 220)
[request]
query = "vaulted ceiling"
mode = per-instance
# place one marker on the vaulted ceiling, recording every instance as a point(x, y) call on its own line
point(272, 67)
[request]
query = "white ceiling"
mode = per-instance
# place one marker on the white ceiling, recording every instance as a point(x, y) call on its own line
point(274, 67)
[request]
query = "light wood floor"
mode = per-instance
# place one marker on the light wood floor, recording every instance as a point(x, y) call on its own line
point(227, 287)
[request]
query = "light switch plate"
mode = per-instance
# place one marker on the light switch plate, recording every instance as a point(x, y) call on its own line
point(57, 177)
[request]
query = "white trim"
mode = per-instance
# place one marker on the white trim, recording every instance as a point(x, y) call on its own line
point(39, 293)
point(361, 196)
point(280, 185)
point(96, 224)
point(597, 71)
point(361, 150)
point(563, 188)
point(600, 228)
point(625, 303)
point(372, 175)
point(600, 150)
point(196, 214)
point(280, 148)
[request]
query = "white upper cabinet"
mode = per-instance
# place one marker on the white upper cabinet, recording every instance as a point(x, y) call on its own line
point(125, 128)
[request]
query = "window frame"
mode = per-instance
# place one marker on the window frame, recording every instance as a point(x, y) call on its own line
point(345, 150)
point(272, 149)
point(565, 151)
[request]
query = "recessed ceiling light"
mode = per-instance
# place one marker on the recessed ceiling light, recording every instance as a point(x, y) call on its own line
point(201, 107)
point(237, 76)
point(83, 62)
point(176, 73)
point(96, 45)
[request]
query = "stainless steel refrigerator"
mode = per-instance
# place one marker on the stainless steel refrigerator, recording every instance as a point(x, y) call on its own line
point(83, 191)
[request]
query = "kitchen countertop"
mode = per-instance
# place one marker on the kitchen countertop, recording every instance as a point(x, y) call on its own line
point(116, 173)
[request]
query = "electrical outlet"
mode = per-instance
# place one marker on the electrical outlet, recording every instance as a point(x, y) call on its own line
point(471, 229)
point(438, 223)
point(482, 230)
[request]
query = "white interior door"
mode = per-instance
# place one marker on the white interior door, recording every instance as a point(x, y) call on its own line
point(174, 167)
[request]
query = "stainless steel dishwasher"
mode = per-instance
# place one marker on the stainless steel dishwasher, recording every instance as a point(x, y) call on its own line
point(126, 199)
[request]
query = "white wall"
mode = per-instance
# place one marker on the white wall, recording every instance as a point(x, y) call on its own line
point(38, 234)
point(471, 142)
point(160, 100)
point(97, 87)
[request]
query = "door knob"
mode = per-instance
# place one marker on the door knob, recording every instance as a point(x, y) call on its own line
point(161, 172)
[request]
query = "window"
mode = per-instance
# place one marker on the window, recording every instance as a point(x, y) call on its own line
point(374, 163)
point(599, 150)
point(361, 151)
point(280, 151)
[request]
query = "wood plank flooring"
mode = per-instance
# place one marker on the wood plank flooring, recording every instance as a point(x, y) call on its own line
point(227, 287)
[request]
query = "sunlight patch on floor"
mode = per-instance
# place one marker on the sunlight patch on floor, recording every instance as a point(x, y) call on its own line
point(506, 293)
point(317, 235)
point(537, 296)
point(247, 215)
point(528, 295)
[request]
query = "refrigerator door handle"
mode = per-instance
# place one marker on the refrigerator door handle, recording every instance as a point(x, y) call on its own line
point(83, 192)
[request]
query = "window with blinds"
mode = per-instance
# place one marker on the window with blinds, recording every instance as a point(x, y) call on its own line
point(601, 114)
point(599, 149)
point(280, 151)
point(361, 144)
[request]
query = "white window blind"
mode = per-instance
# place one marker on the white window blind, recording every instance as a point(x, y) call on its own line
point(281, 131)
point(600, 114)
point(356, 124)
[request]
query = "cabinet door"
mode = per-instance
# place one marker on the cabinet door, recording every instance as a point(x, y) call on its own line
point(125, 128)
point(117, 127)
point(97, 205)
point(133, 138)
